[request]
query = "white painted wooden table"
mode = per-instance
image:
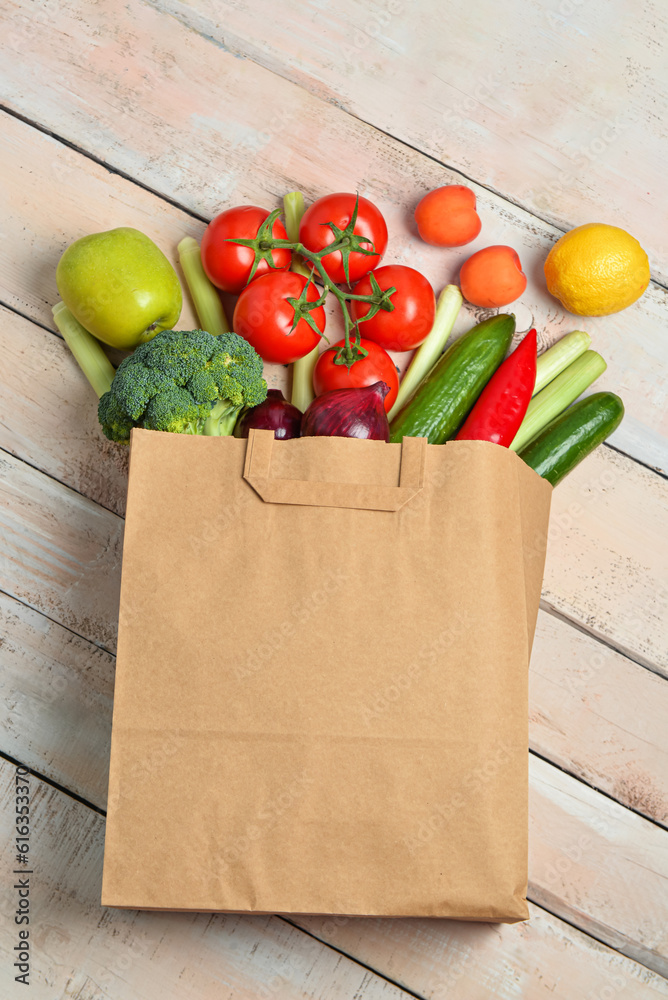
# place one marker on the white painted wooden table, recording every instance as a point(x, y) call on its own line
point(157, 115)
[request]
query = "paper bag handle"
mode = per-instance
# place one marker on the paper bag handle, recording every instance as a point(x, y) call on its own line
point(363, 496)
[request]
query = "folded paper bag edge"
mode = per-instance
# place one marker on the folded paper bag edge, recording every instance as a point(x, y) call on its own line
point(361, 496)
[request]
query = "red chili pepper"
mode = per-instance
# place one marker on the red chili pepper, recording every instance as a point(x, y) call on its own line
point(503, 402)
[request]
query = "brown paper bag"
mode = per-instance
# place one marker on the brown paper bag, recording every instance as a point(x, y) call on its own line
point(321, 691)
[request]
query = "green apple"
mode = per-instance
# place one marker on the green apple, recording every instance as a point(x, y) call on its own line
point(120, 287)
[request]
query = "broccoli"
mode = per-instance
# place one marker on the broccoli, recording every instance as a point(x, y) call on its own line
point(186, 382)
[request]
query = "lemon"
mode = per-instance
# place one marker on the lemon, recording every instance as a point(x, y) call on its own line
point(596, 269)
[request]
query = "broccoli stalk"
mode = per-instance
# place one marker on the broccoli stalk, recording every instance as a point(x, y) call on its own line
point(221, 419)
point(183, 382)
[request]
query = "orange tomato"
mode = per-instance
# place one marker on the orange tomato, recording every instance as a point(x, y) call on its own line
point(492, 277)
point(447, 217)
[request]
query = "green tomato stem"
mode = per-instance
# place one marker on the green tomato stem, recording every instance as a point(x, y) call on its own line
point(87, 351)
point(264, 244)
point(208, 306)
point(447, 309)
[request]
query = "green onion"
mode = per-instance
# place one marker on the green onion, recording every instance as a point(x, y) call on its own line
point(302, 369)
point(294, 208)
point(208, 306)
point(87, 351)
point(447, 309)
point(560, 356)
point(555, 397)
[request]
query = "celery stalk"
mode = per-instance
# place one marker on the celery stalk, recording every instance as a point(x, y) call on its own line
point(294, 208)
point(553, 361)
point(447, 309)
point(87, 351)
point(208, 306)
point(302, 369)
point(555, 397)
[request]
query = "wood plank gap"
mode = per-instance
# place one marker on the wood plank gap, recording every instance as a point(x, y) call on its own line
point(239, 48)
point(61, 482)
point(352, 958)
point(587, 933)
point(645, 465)
point(580, 627)
point(102, 163)
point(599, 791)
point(31, 319)
point(38, 611)
point(54, 784)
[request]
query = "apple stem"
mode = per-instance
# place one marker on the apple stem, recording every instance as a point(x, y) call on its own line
point(87, 351)
point(207, 302)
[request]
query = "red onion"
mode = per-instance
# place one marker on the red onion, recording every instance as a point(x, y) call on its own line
point(358, 413)
point(274, 414)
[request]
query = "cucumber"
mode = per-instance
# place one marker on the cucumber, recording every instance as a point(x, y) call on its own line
point(573, 435)
point(443, 399)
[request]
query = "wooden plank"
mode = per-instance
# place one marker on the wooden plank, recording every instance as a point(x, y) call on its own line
point(242, 147)
point(557, 132)
point(606, 566)
point(57, 693)
point(78, 949)
point(48, 415)
point(598, 865)
point(599, 716)
point(61, 553)
point(544, 958)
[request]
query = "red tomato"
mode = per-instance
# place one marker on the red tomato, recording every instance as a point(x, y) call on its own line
point(377, 366)
point(315, 234)
point(447, 216)
point(264, 317)
point(414, 306)
point(492, 277)
point(228, 265)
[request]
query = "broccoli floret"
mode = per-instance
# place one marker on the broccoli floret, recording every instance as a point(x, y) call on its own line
point(185, 382)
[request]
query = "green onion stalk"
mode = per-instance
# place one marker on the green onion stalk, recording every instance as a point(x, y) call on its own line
point(302, 369)
point(553, 361)
point(447, 309)
point(557, 395)
point(205, 296)
point(86, 349)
